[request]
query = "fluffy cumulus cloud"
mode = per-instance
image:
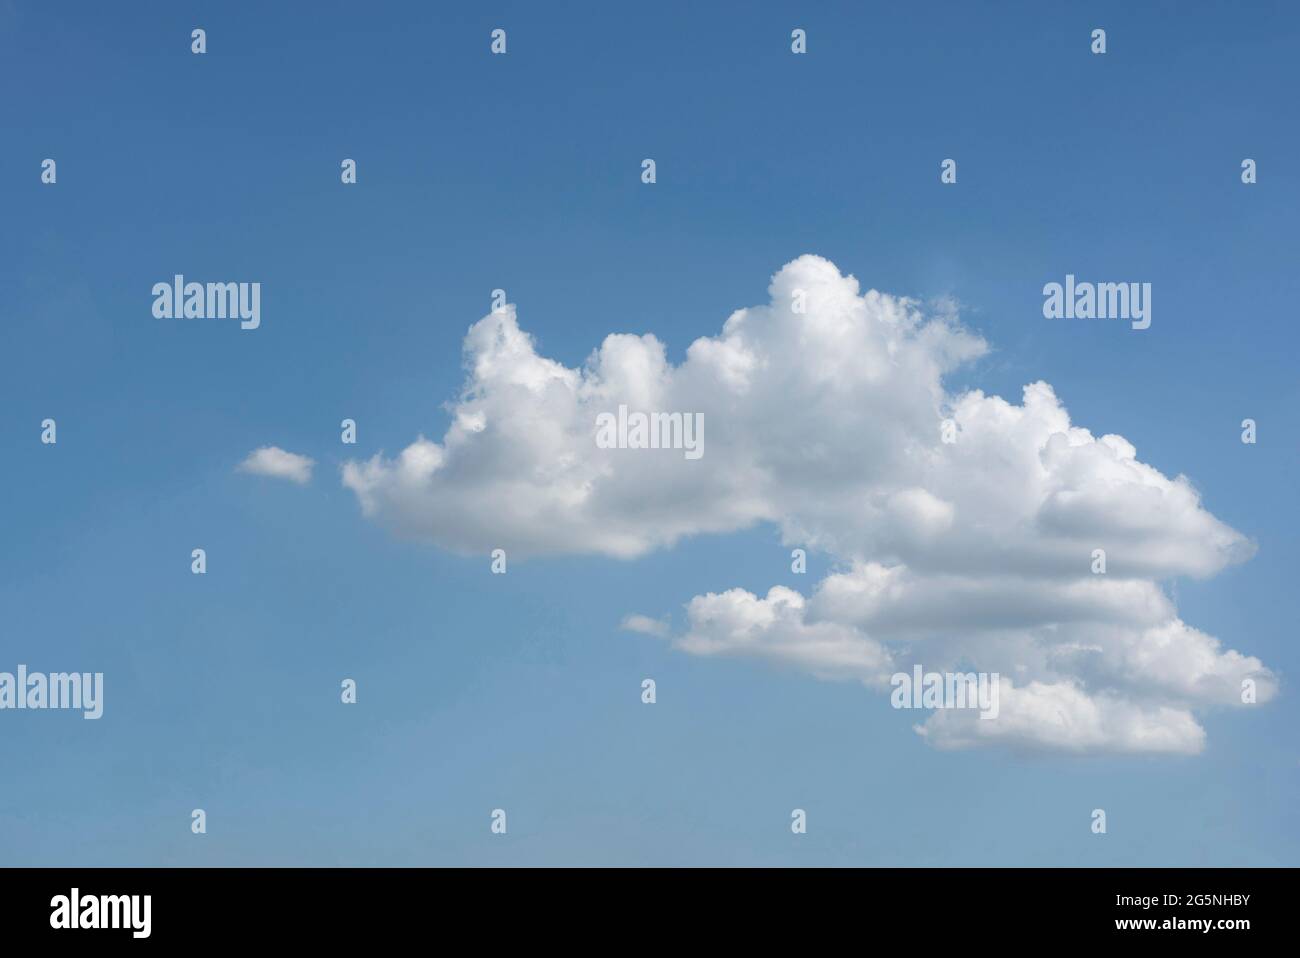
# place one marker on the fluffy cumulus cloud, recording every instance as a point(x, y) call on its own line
point(276, 463)
point(824, 413)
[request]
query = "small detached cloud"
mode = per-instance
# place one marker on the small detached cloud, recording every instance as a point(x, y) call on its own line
point(645, 625)
point(276, 463)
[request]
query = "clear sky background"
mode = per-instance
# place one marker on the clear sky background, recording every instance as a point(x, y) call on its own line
point(523, 172)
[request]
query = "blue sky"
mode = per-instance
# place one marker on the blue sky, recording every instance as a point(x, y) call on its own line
point(523, 172)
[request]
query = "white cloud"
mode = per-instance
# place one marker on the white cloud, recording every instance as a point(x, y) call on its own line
point(274, 462)
point(826, 423)
point(1063, 717)
point(739, 623)
point(645, 625)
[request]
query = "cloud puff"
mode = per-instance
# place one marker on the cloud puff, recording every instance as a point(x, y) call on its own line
point(1064, 717)
point(826, 413)
point(275, 462)
point(645, 625)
